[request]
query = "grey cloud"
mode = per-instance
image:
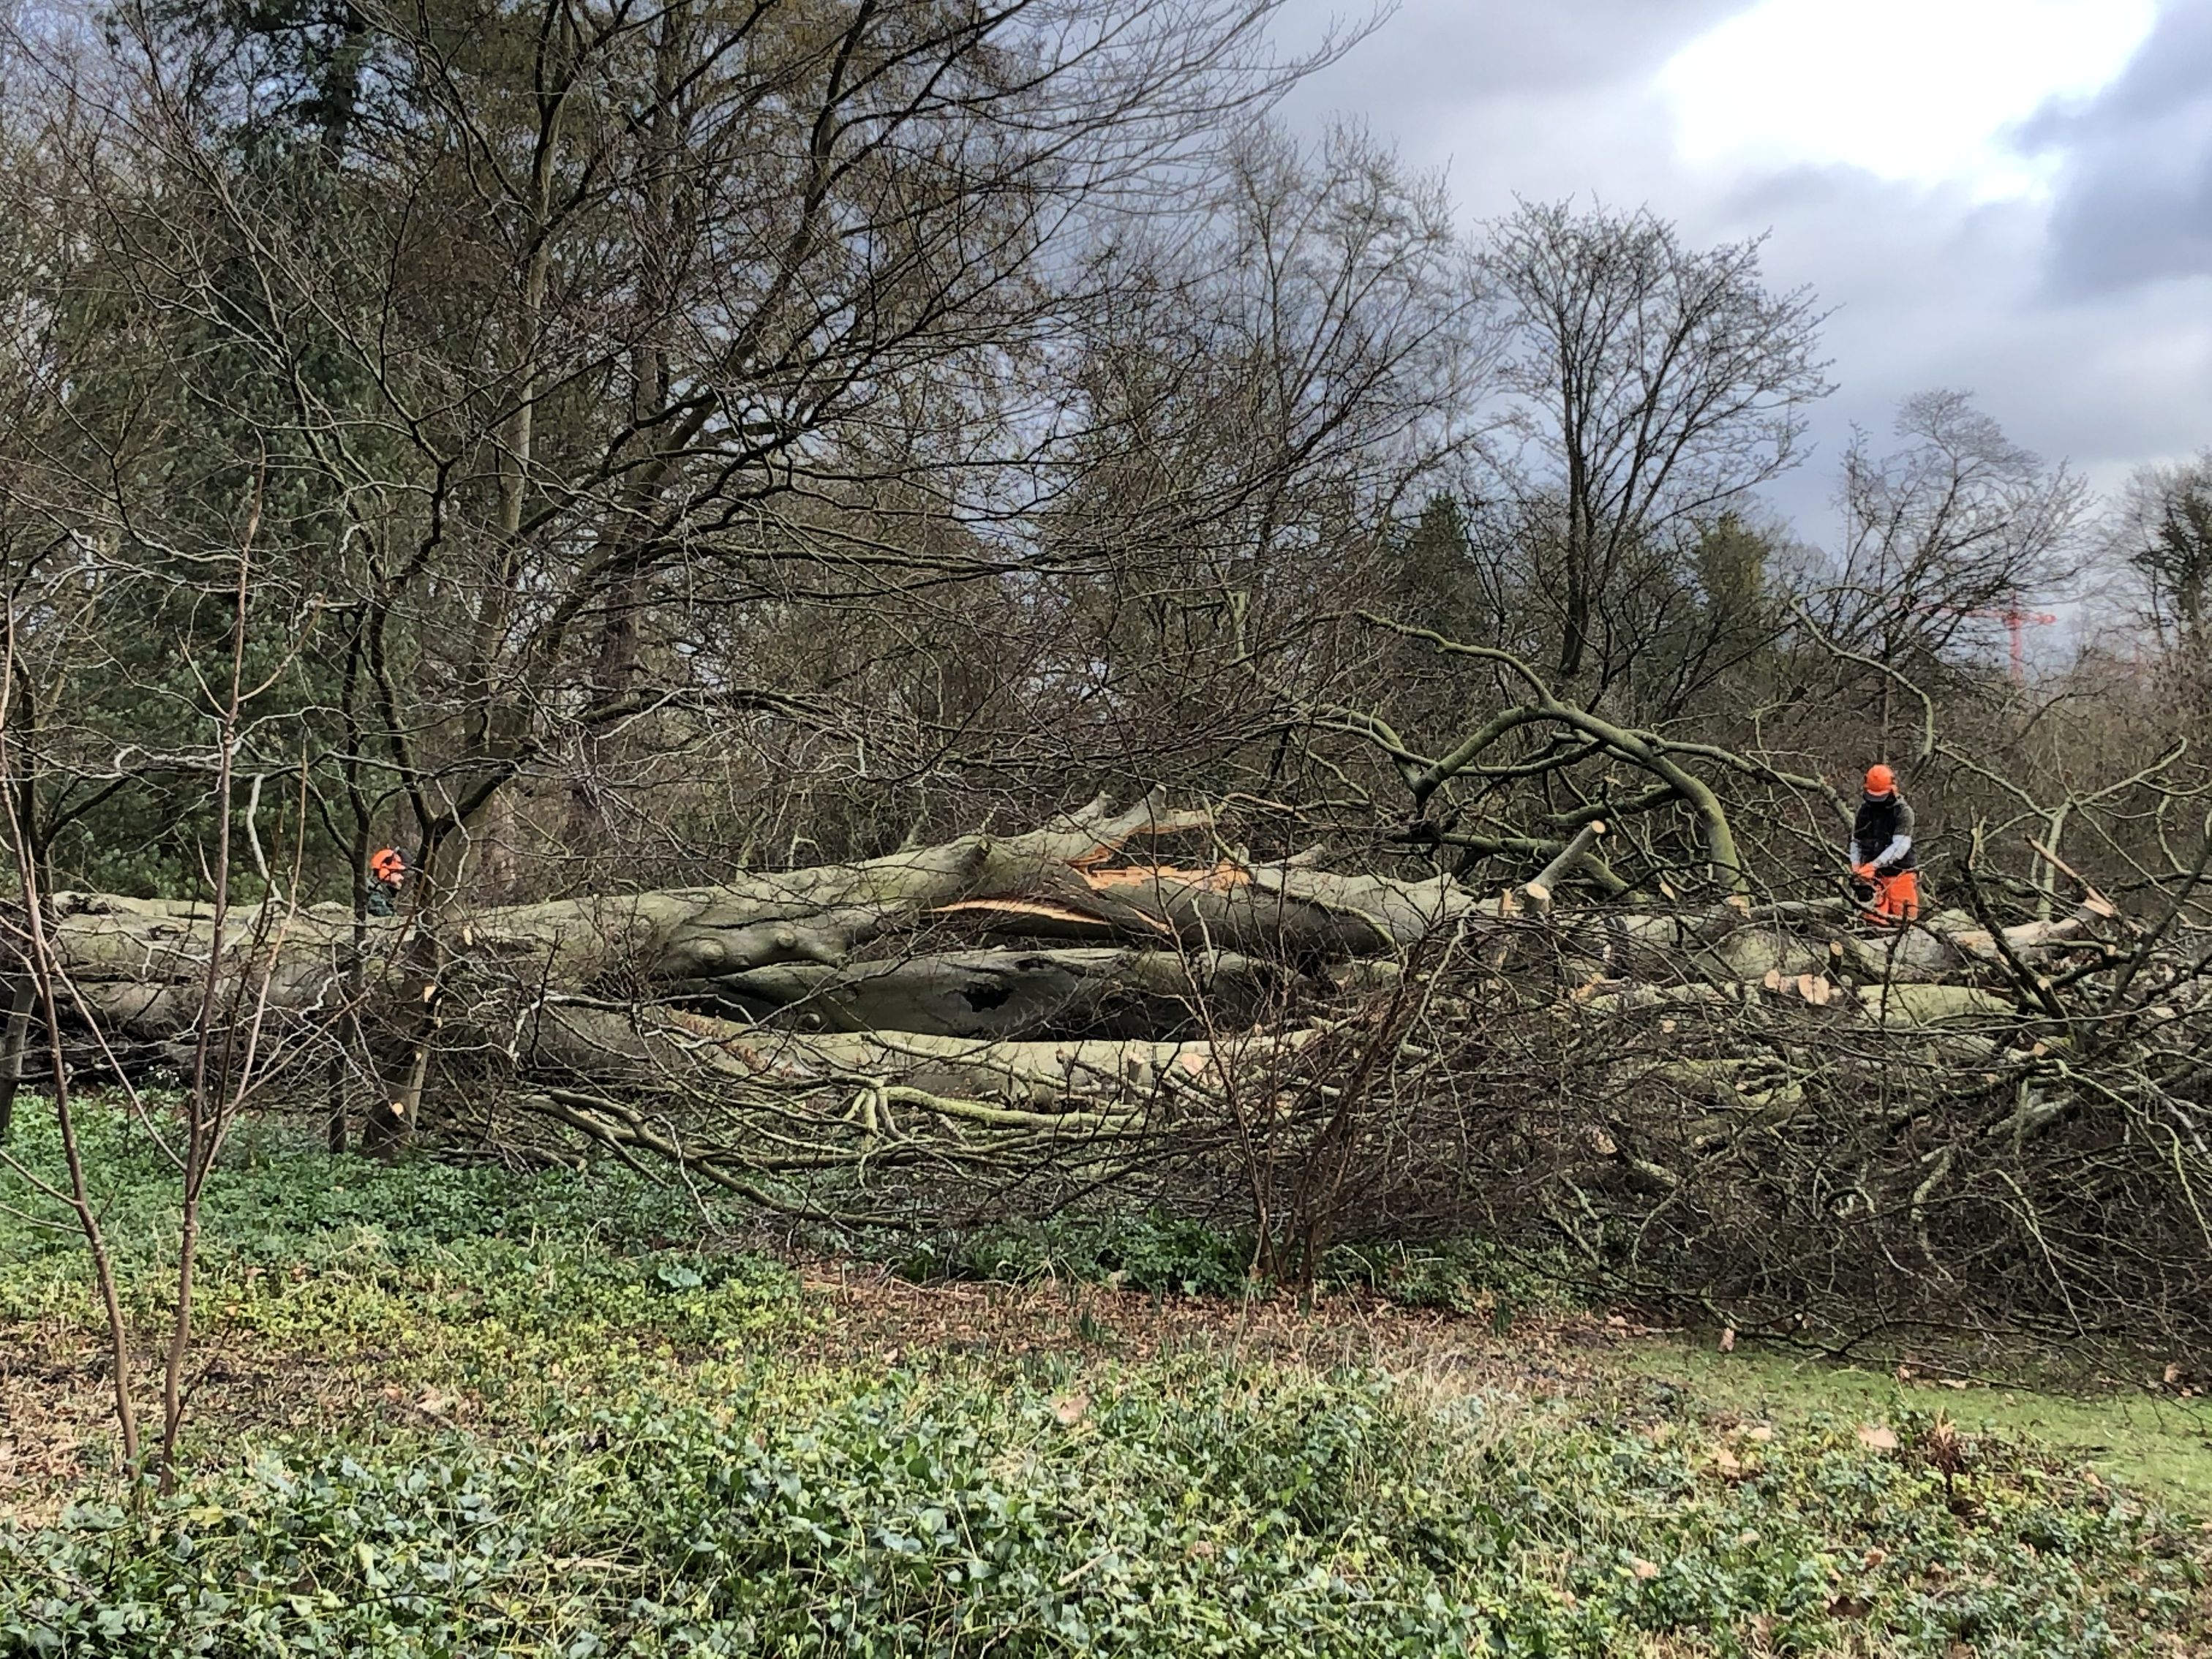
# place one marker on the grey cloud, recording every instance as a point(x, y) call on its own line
point(2135, 202)
point(1433, 58)
point(1934, 289)
point(1931, 286)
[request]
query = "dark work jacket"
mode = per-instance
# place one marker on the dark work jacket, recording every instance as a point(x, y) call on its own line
point(1878, 823)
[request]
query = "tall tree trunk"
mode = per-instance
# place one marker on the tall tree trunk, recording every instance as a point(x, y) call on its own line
point(23, 998)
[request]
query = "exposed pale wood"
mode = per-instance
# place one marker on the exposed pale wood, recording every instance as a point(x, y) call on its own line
point(1024, 974)
point(1538, 892)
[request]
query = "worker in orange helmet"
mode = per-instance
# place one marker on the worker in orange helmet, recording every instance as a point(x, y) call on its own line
point(1881, 851)
point(387, 873)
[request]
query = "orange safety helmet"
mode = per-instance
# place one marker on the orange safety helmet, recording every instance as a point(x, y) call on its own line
point(1880, 781)
point(386, 864)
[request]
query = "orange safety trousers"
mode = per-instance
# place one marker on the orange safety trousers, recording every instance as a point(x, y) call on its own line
point(1897, 897)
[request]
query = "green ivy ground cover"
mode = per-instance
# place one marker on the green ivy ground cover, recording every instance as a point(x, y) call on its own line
point(547, 1416)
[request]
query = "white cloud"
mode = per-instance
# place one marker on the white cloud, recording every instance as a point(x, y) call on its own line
point(1920, 92)
point(1934, 284)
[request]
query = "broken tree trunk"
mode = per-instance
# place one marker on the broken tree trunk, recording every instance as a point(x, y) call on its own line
point(1536, 894)
point(1093, 991)
point(716, 1060)
point(852, 946)
point(958, 1000)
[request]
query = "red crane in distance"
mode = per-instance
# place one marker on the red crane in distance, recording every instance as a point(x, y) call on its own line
point(2017, 623)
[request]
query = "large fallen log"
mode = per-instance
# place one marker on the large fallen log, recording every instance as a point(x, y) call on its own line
point(1048, 983)
point(1099, 991)
point(774, 938)
point(711, 1059)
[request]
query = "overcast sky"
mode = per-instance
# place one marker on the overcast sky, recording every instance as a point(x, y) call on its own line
point(2011, 196)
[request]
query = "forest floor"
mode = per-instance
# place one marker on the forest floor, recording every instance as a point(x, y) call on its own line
point(455, 1412)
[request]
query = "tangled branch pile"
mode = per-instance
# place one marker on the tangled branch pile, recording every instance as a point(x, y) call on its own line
point(714, 485)
point(1772, 1108)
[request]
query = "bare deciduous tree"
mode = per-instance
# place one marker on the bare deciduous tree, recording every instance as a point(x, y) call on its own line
point(1654, 386)
point(2164, 536)
point(1941, 538)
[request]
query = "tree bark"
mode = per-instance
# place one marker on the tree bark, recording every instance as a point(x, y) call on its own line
point(1007, 984)
point(14, 1041)
point(1082, 990)
point(769, 939)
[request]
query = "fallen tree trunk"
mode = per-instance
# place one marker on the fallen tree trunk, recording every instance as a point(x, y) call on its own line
point(712, 1059)
point(957, 1000)
point(772, 939)
point(923, 941)
point(1021, 1021)
point(1091, 991)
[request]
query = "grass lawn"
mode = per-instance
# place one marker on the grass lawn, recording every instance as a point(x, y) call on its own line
point(448, 1411)
point(2130, 1430)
